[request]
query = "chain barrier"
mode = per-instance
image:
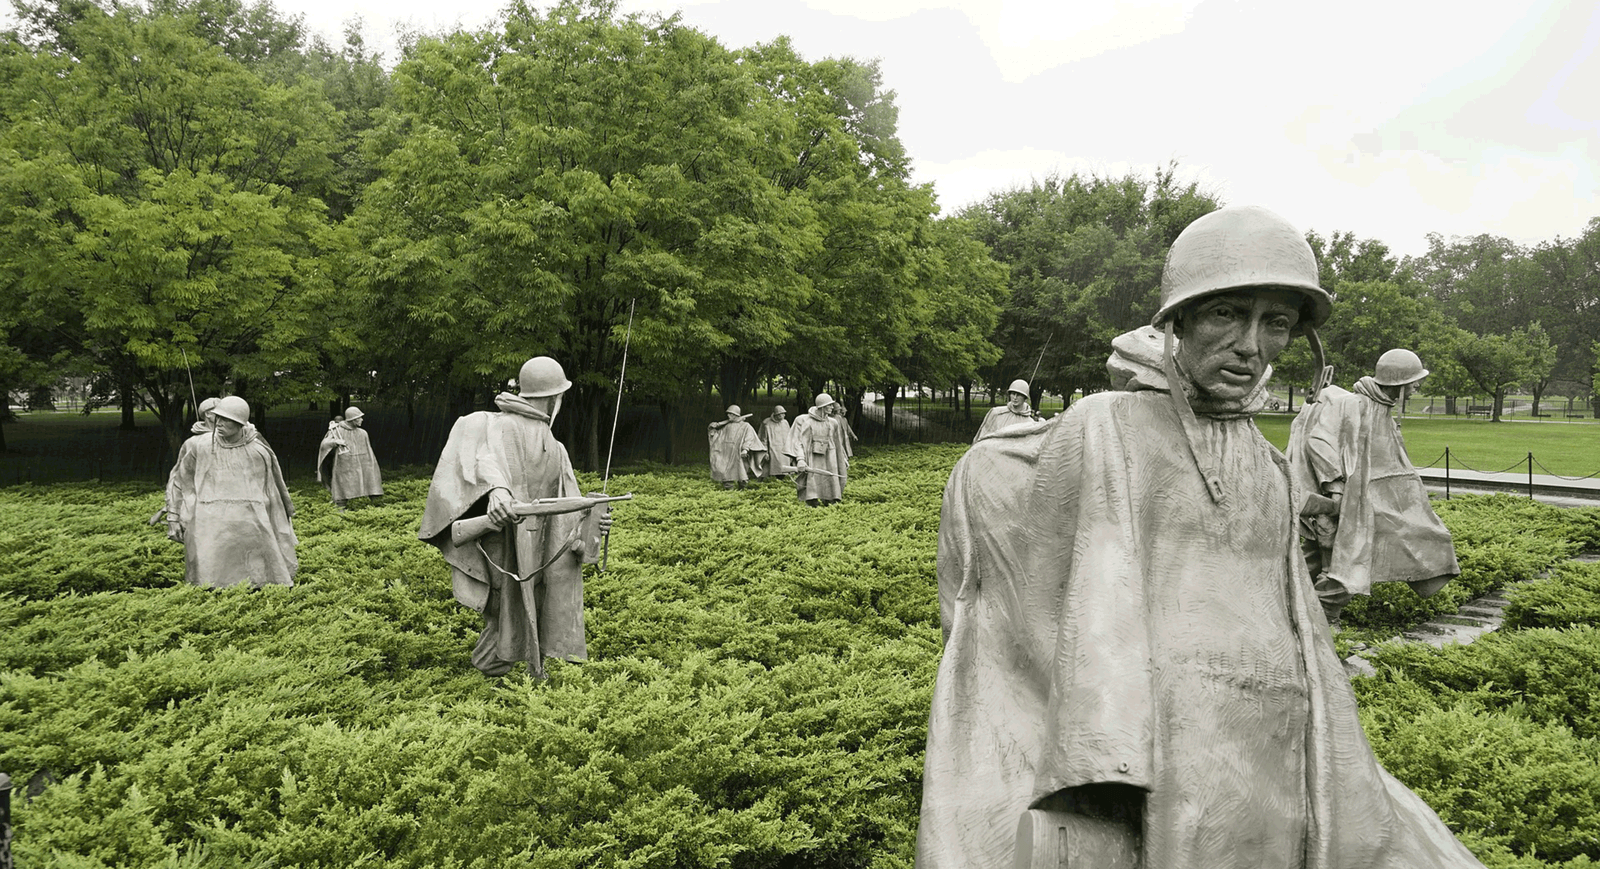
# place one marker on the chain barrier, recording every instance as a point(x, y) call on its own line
point(1560, 477)
point(1456, 463)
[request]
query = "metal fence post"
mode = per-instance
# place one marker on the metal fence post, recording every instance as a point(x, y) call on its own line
point(1447, 473)
point(1530, 475)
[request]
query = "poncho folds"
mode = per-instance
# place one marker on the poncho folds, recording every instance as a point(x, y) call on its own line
point(1108, 620)
point(1387, 531)
point(813, 442)
point(235, 511)
point(775, 433)
point(525, 579)
point(1003, 417)
point(346, 465)
point(727, 442)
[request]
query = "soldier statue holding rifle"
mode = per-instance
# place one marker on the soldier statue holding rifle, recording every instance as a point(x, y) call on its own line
point(505, 511)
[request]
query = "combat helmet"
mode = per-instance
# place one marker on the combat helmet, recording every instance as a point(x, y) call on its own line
point(1398, 367)
point(1239, 247)
point(1018, 386)
point(542, 376)
point(233, 407)
point(823, 400)
point(352, 413)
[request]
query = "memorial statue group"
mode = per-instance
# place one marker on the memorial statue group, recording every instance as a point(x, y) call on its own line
point(1134, 594)
point(815, 451)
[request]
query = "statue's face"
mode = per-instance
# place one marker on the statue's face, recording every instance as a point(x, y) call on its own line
point(226, 427)
point(1018, 402)
point(1230, 339)
point(357, 421)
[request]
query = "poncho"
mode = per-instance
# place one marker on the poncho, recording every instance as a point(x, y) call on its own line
point(779, 440)
point(1108, 620)
point(346, 465)
point(1002, 417)
point(813, 443)
point(1387, 530)
point(235, 511)
point(727, 442)
point(842, 436)
point(525, 578)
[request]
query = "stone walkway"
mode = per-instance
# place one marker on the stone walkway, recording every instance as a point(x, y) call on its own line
point(1475, 618)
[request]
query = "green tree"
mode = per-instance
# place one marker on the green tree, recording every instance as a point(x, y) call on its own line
point(1496, 363)
point(153, 192)
point(1085, 255)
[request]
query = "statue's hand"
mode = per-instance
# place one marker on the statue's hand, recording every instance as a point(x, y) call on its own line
point(175, 531)
point(500, 512)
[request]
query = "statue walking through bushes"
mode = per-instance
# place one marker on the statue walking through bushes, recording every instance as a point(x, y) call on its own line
point(201, 426)
point(779, 440)
point(816, 455)
point(735, 449)
point(345, 463)
point(1366, 518)
point(230, 507)
point(1135, 660)
point(1015, 411)
point(843, 434)
point(505, 511)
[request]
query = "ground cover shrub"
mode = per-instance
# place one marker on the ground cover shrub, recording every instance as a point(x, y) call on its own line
point(1568, 597)
point(757, 696)
point(757, 692)
point(1499, 540)
point(1501, 737)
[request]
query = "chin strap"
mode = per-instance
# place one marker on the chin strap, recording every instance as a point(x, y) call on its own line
point(1321, 371)
point(1191, 425)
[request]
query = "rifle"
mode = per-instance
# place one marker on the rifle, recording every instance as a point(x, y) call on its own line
point(464, 531)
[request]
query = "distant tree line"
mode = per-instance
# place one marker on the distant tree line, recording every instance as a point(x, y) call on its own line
point(201, 190)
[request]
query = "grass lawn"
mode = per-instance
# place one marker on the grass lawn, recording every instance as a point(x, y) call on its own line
point(1566, 449)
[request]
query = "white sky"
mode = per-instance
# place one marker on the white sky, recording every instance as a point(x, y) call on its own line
point(1391, 119)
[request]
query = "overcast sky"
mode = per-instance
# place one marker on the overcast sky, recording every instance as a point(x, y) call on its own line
point(1382, 117)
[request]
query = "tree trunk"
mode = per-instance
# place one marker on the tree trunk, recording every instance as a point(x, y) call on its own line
point(890, 393)
point(1290, 408)
point(1450, 405)
point(966, 389)
point(1499, 399)
point(669, 420)
point(126, 399)
point(592, 432)
point(1538, 392)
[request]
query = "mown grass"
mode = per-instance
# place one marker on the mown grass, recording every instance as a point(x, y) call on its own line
point(1480, 445)
point(757, 693)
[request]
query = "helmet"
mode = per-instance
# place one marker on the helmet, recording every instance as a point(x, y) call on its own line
point(1398, 367)
point(777, 411)
point(207, 406)
point(233, 407)
point(542, 376)
point(1018, 386)
point(351, 414)
point(1236, 248)
point(733, 410)
point(823, 400)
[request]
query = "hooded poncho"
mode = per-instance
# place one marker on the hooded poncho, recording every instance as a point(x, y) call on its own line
point(1387, 531)
point(1109, 620)
point(235, 511)
point(778, 437)
point(526, 579)
point(346, 465)
point(1003, 417)
point(813, 443)
point(727, 442)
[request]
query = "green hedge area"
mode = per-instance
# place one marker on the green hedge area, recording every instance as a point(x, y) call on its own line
point(757, 694)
